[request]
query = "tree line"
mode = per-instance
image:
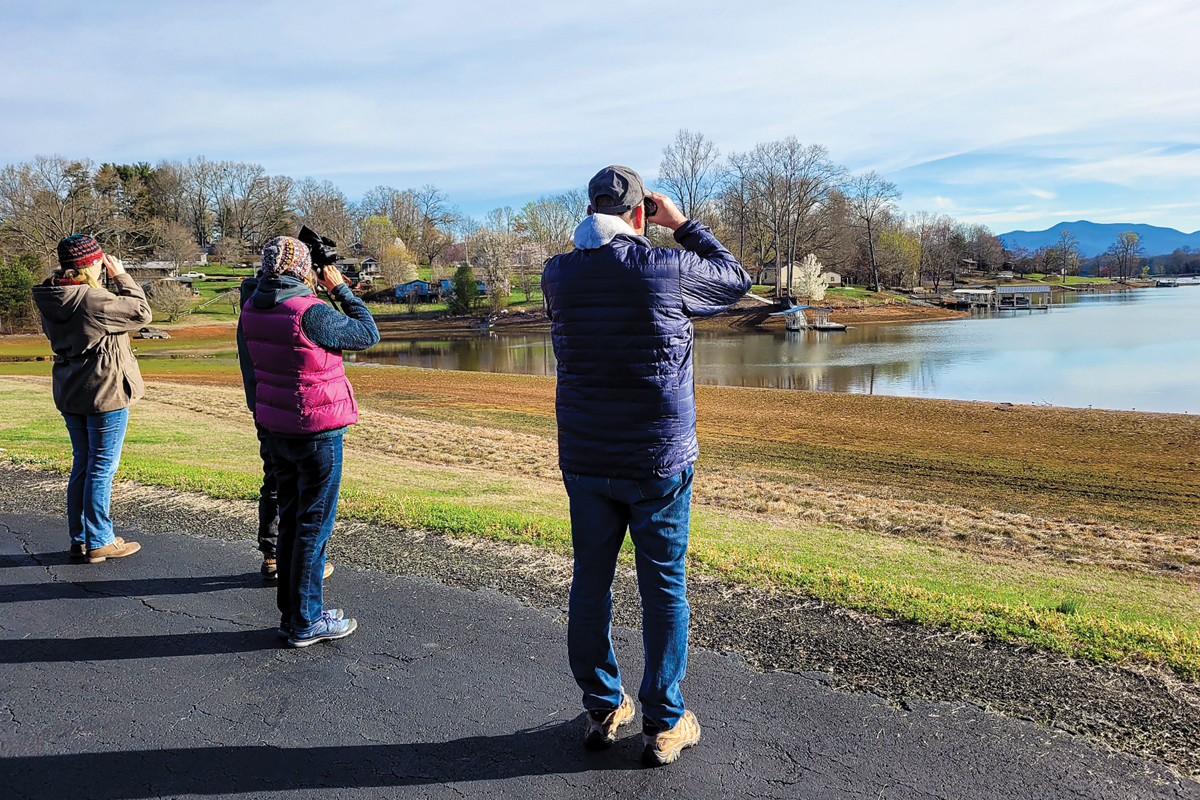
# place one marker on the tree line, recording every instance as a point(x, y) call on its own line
point(774, 205)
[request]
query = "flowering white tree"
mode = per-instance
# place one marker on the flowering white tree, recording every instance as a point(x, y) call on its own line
point(807, 280)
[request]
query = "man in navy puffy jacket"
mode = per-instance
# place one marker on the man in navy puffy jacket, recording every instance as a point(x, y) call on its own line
point(620, 312)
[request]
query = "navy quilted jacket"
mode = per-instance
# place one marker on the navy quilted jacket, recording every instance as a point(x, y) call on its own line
point(620, 313)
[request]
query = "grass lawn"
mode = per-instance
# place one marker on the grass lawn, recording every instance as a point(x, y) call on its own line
point(1020, 540)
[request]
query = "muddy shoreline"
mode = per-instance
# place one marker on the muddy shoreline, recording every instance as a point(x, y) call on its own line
point(1139, 711)
point(746, 315)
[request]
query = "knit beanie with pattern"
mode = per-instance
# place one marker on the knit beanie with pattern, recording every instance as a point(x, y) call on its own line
point(78, 251)
point(284, 255)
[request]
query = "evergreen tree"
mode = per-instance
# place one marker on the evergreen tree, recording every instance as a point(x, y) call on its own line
point(466, 290)
point(16, 281)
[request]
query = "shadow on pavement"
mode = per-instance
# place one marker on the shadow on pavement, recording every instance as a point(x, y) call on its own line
point(115, 648)
point(41, 560)
point(547, 750)
point(141, 587)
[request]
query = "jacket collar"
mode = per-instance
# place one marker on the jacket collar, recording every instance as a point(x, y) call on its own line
point(276, 289)
point(598, 230)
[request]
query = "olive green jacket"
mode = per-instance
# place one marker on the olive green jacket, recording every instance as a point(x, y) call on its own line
point(88, 328)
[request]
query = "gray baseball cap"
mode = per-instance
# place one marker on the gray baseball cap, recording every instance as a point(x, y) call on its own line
point(616, 190)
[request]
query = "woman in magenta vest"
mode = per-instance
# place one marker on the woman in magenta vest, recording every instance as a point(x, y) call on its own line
point(304, 401)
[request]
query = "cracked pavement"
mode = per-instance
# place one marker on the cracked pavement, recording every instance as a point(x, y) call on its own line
point(161, 675)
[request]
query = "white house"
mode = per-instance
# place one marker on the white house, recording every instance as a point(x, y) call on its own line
point(831, 278)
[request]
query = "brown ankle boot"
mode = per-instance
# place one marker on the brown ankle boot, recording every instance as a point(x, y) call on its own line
point(118, 548)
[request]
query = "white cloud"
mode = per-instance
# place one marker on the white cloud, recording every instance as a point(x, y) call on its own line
point(530, 97)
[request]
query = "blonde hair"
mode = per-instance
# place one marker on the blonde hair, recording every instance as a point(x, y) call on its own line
point(78, 276)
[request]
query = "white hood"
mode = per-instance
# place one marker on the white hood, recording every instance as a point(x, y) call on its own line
point(600, 229)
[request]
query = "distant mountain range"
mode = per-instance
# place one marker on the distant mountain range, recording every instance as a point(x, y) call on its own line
point(1094, 238)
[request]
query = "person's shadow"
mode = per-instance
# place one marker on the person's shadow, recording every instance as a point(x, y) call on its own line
point(131, 587)
point(552, 749)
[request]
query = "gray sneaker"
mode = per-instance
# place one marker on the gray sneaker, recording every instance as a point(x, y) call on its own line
point(327, 629)
point(285, 628)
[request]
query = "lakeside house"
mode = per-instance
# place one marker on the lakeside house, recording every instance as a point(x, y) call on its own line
point(416, 291)
point(766, 277)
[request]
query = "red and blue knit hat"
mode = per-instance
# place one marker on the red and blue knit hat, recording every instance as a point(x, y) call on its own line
point(284, 255)
point(78, 251)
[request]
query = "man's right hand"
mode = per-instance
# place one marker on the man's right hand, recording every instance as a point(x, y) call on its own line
point(669, 216)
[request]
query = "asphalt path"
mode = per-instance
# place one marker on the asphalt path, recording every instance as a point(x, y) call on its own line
point(160, 675)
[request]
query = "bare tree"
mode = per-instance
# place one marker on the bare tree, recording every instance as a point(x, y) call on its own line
point(689, 172)
point(197, 198)
point(323, 207)
point(377, 233)
point(788, 186)
point(175, 244)
point(1063, 256)
point(550, 221)
point(50, 198)
point(871, 201)
point(1126, 254)
point(172, 298)
point(228, 250)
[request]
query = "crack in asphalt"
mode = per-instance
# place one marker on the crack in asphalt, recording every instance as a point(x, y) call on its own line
point(89, 588)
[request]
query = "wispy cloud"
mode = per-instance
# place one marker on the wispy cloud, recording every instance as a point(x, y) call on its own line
point(967, 106)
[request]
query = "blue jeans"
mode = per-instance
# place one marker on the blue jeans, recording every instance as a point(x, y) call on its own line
point(657, 513)
point(308, 474)
point(268, 498)
point(96, 441)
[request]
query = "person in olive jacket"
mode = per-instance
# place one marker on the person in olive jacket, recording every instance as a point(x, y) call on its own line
point(95, 379)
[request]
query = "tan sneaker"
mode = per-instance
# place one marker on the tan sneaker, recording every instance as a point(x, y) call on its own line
point(78, 551)
point(117, 548)
point(602, 733)
point(270, 571)
point(665, 746)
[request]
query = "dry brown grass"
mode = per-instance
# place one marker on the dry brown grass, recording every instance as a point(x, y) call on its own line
point(1055, 485)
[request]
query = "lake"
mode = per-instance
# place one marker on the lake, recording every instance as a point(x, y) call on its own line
point(1122, 350)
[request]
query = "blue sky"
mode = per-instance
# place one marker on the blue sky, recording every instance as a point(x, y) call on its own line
point(1011, 113)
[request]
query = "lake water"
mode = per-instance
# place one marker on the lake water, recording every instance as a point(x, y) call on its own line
point(1123, 350)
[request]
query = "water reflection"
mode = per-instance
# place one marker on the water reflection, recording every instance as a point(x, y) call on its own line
point(1137, 349)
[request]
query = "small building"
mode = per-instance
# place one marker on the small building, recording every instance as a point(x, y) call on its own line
point(417, 291)
point(1032, 297)
point(152, 270)
point(831, 278)
point(970, 298)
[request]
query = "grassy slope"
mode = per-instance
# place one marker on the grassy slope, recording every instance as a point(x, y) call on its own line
point(1082, 466)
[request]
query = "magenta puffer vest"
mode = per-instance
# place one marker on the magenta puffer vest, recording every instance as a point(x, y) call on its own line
point(302, 387)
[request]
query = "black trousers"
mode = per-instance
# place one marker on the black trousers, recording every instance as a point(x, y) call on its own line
point(268, 498)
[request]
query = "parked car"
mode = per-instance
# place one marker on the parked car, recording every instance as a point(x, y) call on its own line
point(151, 333)
point(198, 276)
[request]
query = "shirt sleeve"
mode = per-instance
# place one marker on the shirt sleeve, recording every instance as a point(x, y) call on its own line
point(710, 278)
point(354, 330)
point(125, 309)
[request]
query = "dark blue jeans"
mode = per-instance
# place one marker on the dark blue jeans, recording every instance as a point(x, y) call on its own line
point(308, 473)
point(96, 441)
point(268, 498)
point(657, 513)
